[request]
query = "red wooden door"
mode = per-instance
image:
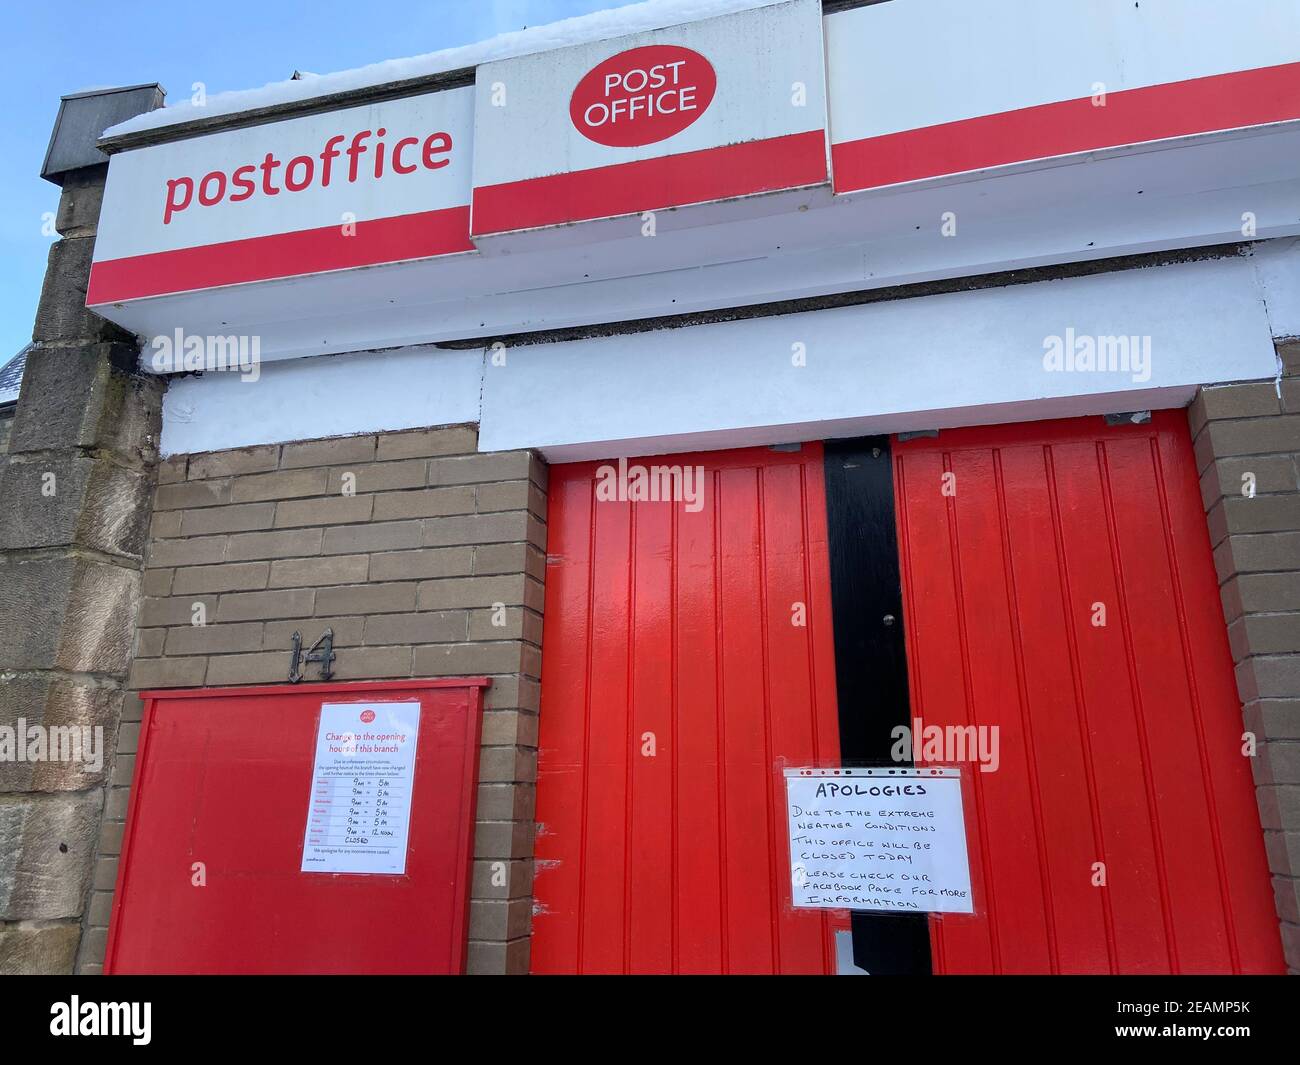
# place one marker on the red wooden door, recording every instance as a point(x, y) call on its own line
point(1121, 742)
point(676, 681)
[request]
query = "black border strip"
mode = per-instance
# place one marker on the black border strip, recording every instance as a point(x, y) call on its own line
point(870, 658)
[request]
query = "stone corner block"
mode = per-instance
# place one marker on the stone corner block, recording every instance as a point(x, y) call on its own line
point(69, 500)
point(79, 723)
point(47, 849)
point(80, 202)
point(67, 613)
point(62, 313)
point(42, 950)
point(88, 395)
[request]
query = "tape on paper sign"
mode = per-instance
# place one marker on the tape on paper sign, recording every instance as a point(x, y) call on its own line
point(888, 840)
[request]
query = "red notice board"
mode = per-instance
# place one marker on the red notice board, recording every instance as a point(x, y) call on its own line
point(223, 781)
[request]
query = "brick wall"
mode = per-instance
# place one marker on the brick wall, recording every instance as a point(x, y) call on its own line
point(1240, 429)
point(425, 558)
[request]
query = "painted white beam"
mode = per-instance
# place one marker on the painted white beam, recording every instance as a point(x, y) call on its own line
point(922, 363)
point(925, 363)
point(324, 396)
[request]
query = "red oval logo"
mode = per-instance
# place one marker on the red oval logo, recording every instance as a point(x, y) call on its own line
point(643, 95)
point(367, 716)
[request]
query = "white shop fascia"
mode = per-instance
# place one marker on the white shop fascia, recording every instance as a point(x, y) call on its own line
point(1020, 136)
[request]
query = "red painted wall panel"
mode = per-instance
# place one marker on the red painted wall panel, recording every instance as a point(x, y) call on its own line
point(223, 777)
point(1119, 743)
point(677, 623)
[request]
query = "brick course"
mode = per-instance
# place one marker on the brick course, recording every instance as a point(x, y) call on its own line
point(425, 557)
point(1246, 433)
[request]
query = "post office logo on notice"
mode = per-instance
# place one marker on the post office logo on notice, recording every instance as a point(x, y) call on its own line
point(643, 95)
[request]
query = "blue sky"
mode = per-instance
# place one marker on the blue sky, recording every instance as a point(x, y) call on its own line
point(49, 49)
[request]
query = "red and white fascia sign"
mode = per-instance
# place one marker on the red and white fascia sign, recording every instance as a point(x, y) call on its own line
point(301, 172)
point(643, 96)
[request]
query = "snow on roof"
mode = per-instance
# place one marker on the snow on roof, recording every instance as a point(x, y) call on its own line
point(11, 377)
point(598, 26)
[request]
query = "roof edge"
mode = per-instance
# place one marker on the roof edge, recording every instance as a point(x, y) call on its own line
point(260, 116)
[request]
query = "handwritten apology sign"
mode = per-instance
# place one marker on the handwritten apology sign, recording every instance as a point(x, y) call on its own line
point(878, 839)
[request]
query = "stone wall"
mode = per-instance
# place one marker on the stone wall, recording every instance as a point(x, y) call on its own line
point(1247, 441)
point(76, 486)
point(425, 558)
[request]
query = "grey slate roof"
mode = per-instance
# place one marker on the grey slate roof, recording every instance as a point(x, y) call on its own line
point(11, 377)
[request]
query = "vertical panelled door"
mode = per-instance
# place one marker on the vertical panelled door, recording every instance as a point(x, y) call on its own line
point(1058, 592)
point(687, 656)
point(1059, 587)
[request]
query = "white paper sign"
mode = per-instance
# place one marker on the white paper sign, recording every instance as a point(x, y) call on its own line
point(359, 810)
point(878, 839)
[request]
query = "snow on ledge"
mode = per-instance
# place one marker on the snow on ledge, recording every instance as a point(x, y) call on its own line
point(597, 26)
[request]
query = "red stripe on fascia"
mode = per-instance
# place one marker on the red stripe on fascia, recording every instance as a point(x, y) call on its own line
point(308, 251)
point(788, 162)
point(1131, 116)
